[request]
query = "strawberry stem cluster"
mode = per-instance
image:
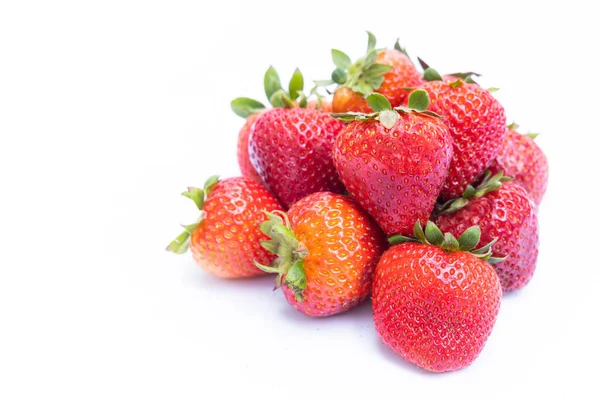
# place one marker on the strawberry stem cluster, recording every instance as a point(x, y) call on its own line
point(488, 184)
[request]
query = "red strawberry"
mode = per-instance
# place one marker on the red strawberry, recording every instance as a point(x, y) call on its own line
point(327, 248)
point(388, 72)
point(521, 158)
point(503, 211)
point(436, 306)
point(291, 151)
point(225, 240)
point(477, 123)
point(394, 162)
point(251, 109)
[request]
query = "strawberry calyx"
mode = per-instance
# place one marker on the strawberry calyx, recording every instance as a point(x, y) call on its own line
point(418, 102)
point(182, 242)
point(289, 265)
point(278, 97)
point(364, 76)
point(488, 184)
point(467, 241)
point(515, 127)
point(430, 74)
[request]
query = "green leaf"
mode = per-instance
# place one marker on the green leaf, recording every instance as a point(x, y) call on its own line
point(303, 100)
point(469, 192)
point(400, 48)
point(485, 249)
point(514, 126)
point(398, 239)
point(374, 82)
point(469, 238)
point(338, 76)
point(377, 70)
point(372, 42)
point(272, 82)
point(493, 89)
point(532, 135)
point(378, 102)
point(280, 99)
point(244, 106)
point(419, 100)
point(180, 244)
point(370, 59)
point(196, 195)
point(457, 83)
point(388, 118)
point(496, 260)
point(450, 242)
point(418, 232)
point(431, 74)
point(296, 84)
point(341, 59)
point(295, 279)
point(454, 205)
point(210, 184)
point(433, 234)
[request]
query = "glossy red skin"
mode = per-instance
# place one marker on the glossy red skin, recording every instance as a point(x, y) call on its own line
point(227, 241)
point(434, 308)
point(291, 151)
point(510, 215)
point(522, 159)
point(242, 149)
point(404, 75)
point(477, 123)
point(395, 174)
point(344, 245)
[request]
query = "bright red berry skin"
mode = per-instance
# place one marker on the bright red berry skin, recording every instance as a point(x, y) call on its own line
point(242, 149)
point(395, 174)
point(510, 215)
point(477, 123)
point(522, 159)
point(344, 245)
point(434, 308)
point(227, 241)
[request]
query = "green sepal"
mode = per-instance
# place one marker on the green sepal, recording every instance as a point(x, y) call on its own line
point(397, 239)
point(532, 135)
point(296, 84)
point(338, 76)
point(180, 244)
point(493, 89)
point(488, 184)
point(196, 195)
point(433, 234)
point(388, 118)
point(464, 75)
point(340, 59)
point(431, 74)
point(304, 101)
point(290, 253)
point(514, 126)
point(400, 48)
point(419, 100)
point(323, 83)
point(457, 83)
point(272, 82)
point(450, 242)
point(372, 42)
point(469, 238)
point(280, 99)
point(419, 234)
point(210, 183)
point(485, 249)
point(496, 260)
point(378, 102)
point(244, 106)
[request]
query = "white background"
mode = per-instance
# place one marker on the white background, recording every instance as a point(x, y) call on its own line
point(109, 109)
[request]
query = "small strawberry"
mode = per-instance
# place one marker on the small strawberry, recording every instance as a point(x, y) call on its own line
point(327, 248)
point(225, 240)
point(386, 71)
point(435, 299)
point(521, 158)
point(278, 97)
point(291, 148)
point(477, 124)
point(504, 211)
point(395, 161)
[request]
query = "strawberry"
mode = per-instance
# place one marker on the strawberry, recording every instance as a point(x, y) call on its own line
point(435, 299)
point(476, 122)
point(521, 158)
point(225, 241)
point(395, 161)
point(290, 148)
point(328, 247)
point(504, 211)
point(386, 71)
point(252, 109)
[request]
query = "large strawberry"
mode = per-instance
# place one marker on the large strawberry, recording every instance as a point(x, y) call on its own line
point(435, 299)
point(394, 161)
point(225, 240)
point(521, 158)
point(477, 123)
point(328, 248)
point(278, 97)
point(504, 211)
point(386, 71)
point(291, 148)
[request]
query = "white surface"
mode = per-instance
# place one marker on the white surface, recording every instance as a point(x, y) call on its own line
point(109, 109)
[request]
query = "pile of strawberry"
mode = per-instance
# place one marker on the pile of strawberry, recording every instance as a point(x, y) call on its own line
point(407, 187)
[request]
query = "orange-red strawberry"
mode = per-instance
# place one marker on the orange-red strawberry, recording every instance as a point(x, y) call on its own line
point(477, 123)
point(385, 71)
point(436, 306)
point(521, 158)
point(504, 211)
point(291, 148)
point(278, 97)
point(225, 240)
point(328, 248)
point(394, 162)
